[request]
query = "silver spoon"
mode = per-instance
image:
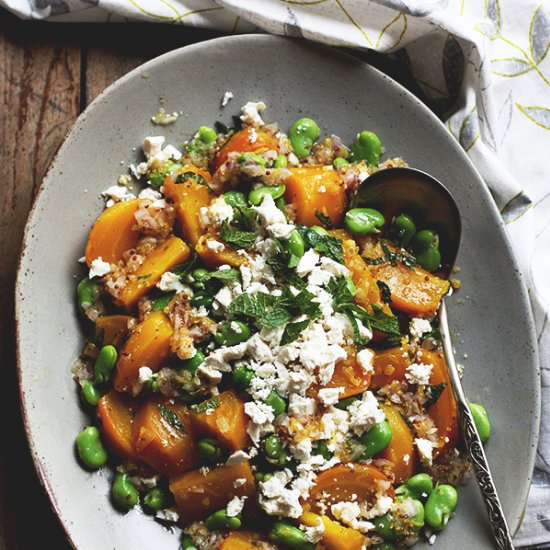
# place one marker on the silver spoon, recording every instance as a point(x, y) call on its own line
point(427, 201)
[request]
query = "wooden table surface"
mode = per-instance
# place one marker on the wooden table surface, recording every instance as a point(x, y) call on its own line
point(49, 73)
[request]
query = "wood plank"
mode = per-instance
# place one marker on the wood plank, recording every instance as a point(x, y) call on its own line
point(39, 101)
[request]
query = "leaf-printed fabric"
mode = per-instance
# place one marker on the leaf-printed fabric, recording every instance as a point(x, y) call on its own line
point(482, 66)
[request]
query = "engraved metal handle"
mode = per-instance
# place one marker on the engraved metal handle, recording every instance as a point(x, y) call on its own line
point(474, 446)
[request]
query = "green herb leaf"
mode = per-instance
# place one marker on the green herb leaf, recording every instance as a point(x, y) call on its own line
point(225, 275)
point(143, 277)
point(383, 322)
point(183, 269)
point(324, 219)
point(171, 417)
point(280, 265)
point(212, 403)
point(392, 257)
point(324, 244)
point(161, 303)
point(433, 393)
point(239, 239)
point(293, 330)
point(385, 291)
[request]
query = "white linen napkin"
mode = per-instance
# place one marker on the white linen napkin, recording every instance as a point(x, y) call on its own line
point(483, 64)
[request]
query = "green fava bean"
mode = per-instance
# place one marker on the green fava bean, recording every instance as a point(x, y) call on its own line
point(295, 244)
point(361, 221)
point(220, 521)
point(344, 403)
point(440, 505)
point(90, 394)
point(481, 420)
point(280, 162)
point(155, 499)
point(202, 299)
point(402, 230)
point(383, 526)
point(429, 259)
point(420, 486)
point(242, 376)
point(236, 199)
point(367, 147)
point(289, 536)
point(187, 543)
point(207, 134)
point(323, 450)
point(123, 492)
point(318, 229)
point(302, 136)
point(274, 451)
point(339, 161)
point(281, 204)
point(232, 333)
point(90, 448)
point(376, 439)
point(417, 518)
point(105, 363)
point(257, 195)
point(276, 402)
point(426, 248)
point(87, 292)
point(191, 365)
point(209, 449)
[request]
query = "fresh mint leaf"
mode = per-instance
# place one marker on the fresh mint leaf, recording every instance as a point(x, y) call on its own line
point(383, 322)
point(385, 291)
point(293, 330)
point(225, 275)
point(282, 269)
point(323, 243)
point(324, 219)
point(392, 257)
point(239, 239)
point(183, 269)
point(433, 393)
point(171, 417)
point(212, 403)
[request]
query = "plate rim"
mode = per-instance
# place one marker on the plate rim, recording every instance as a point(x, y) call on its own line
point(47, 181)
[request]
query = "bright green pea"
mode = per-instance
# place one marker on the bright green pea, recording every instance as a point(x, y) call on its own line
point(280, 162)
point(105, 363)
point(152, 385)
point(207, 134)
point(260, 476)
point(220, 521)
point(258, 159)
point(123, 491)
point(236, 199)
point(440, 505)
point(362, 221)
point(162, 303)
point(481, 420)
point(242, 376)
point(339, 161)
point(384, 526)
point(302, 136)
point(87, 292)
point(402, 230)
point(209, 449)
point(155, 499)
point(90, 394)
point(276, 402)
point(290, 536)
point(191, 365)
point(187, 543)
point(376, 439)
point(344, 403)
point(295, 244)
point(384, 546)
point(367, 147)
point(426, 249)
point(199, 274)
point(323, 450)
point(232, 333)
point(202, 299)
point(274, 451)
point(257, 195)
point(90, 448)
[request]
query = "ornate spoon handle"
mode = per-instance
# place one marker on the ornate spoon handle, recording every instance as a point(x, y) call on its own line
point(474, 446)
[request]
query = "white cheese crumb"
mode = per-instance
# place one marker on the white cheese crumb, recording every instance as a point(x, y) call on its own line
point(99, 268)
point(251, 113)
point(145, 374)
point(329, 396)
point(239, 482)
point(307, 262)
point(365, 413)
point(365, 358)
point(432, 538)
point(235, 506)
point(152, 145)
point(170, 282)
point(237, 458)
point(149, 193)
point(419, 373)
point(315, 533)
point(215, 213)
point(117, 193)
point(425, 450)
point(418, 327)
point(261, 416)
point(278, 500)
point(170, 152)
point(216, 246)
point(168, 514)
point(227, 97)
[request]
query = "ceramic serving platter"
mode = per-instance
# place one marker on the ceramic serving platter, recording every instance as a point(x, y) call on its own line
point(490, 316)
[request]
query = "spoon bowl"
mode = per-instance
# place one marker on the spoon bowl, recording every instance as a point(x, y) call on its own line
point(410, 191)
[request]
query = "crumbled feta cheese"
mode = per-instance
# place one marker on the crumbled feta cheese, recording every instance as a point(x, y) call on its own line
point(117, 193)
point(216, 246)
point(170, 282)
point(227, 97)
point(98, 268)
point(239, 482)
point(215, 213)
point(251, 113)
point(168, 514)
point(365, 413)
point(431, 539)
point(145, 374)
point(307, 262)
point(152, 145)
point(425, 450)
point(261, 416)
point(365, 358)
point(237, 458)
point(268, 213)
point(315, 533)
point(419, 373)
point(170, 152)
point(299, 405)
point(235, 506)
point(278, 500)
point(162, 118)
point(334, 268)
point(418, 327)
point(149, 193)
point(329, 396)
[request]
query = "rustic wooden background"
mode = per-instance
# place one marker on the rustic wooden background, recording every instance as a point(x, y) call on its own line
point(49, 73)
